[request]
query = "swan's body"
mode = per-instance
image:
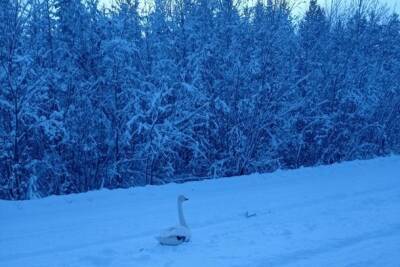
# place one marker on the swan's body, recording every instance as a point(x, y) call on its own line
point(174, 236)
point(178, 234)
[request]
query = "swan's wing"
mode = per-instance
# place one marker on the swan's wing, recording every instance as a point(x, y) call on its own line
point(179, 233)
point(176, 231)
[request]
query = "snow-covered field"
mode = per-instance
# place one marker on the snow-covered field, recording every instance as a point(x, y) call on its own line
point(341, 215)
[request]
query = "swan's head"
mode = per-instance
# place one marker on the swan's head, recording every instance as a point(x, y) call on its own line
point(182, 198)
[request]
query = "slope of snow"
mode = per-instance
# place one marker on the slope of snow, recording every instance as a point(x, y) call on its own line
point(341, 215)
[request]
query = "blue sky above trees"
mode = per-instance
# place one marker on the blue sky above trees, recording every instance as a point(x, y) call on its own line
point(302, 5)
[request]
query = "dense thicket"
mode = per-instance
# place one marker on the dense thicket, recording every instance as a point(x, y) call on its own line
point(105, 98)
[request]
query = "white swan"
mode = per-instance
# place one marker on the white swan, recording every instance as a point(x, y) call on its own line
point(176, 235)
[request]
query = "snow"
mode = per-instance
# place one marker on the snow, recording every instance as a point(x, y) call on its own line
point(340, 215)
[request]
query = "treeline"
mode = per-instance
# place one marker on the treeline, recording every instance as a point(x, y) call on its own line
point(122, 96)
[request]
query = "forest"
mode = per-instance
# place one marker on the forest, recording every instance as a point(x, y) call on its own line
point(135, 93)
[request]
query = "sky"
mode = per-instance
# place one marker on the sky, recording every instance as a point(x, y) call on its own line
point(393, 5)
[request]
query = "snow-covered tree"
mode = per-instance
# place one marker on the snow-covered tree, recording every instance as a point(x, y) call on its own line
point(134, 94)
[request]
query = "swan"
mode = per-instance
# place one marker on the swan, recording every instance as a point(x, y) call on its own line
point(176, 235)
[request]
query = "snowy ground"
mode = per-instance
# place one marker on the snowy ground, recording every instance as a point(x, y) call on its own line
point(341, 215)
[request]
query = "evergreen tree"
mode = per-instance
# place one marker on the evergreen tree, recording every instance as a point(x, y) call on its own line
point(116, 97)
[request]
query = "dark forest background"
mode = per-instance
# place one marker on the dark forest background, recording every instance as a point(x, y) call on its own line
point(123, 96)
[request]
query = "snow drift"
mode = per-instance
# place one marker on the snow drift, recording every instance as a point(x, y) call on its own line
point(340, 215)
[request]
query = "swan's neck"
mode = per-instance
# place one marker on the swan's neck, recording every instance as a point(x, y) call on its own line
point(180, 214)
